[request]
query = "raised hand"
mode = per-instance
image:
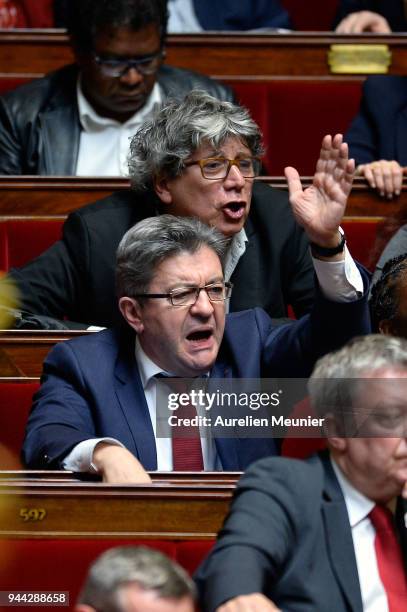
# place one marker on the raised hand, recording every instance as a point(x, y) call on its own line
point(321, 207)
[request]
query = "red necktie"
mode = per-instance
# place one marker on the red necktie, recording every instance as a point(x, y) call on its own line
point(186, 439)
point(389, 559)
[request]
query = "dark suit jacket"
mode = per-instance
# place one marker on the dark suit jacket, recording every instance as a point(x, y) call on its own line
point(287, 535)
point(392, 10)
point(39, 122)
point(379, 131)
point(75, 277)
point(242, 15)
point(91, 386)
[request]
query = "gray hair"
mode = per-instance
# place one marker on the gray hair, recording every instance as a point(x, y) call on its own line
point(336, 380)
point(118, 567)
point(161, 146)
point(151, 241)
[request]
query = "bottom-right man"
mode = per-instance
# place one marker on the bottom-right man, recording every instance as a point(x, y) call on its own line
point(328, 534)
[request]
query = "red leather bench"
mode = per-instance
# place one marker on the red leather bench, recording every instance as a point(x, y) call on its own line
point(23, 239)
point(15, 404)
point(294, 115)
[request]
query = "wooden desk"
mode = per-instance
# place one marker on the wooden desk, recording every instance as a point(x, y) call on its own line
point(37, 196)
point(31, 54)
point(64, 508)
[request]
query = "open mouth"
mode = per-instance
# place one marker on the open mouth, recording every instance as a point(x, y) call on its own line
point(234, 210)
point(200, 336)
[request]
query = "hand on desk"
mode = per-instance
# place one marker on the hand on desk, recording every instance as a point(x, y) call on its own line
point(320, 208)
point(255, 602)
point(117, 465)
point(363, 21)
point(384, 175)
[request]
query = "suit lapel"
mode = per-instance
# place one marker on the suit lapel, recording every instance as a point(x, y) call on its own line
point(227, 448)
point(130, 394)
point(60, 132)
point(339, 540)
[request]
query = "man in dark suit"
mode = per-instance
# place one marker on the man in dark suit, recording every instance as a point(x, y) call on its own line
point(78, 120)
point(307, 535)
point(377, 136)
point(268, 256)
point(96, 407)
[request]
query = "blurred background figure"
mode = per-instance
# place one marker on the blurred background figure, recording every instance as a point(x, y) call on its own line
point(131, 579)
point(378, 16)
point(377, 137)
point(199, 15)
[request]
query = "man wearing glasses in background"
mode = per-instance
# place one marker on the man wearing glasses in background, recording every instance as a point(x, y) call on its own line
point(96, 409)
point(78, 120)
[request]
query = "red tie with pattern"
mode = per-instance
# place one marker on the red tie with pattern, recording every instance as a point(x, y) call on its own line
point(389, 559)
point(186, 439)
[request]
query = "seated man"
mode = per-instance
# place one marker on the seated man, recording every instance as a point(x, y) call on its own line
point(96, 408)
point(378, 133)
point(172, 169)
point(317, 534)
point(131, 579)
point(78, 120)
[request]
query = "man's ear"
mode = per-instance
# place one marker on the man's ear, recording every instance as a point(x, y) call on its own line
point(163, 190)
point(132, 312)
point(333, 432)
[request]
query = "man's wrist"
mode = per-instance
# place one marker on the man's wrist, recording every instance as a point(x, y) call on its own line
point(330, 248)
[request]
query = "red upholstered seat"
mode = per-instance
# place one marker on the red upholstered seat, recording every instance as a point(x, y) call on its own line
point(23, 239)
point(361, 236)
point(294, 115)
point(301, 448)
point(15, 404)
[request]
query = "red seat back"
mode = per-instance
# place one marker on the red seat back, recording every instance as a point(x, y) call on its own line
point(23, 239)
point(294, 115)
point(15, 404)
point(313, 15)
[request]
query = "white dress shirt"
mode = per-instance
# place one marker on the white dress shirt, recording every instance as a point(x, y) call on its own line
point(374, 596)
point(104, 143)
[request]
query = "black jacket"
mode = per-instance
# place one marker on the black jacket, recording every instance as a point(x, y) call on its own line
point(75, 277)
point(39, 121)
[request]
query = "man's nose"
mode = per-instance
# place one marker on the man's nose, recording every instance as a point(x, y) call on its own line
point(203, 306)
point(234, 179)
point(132, 76)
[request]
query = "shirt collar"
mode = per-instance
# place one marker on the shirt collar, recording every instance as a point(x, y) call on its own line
point(235, 251)
point(357, 504)
point(91, 121)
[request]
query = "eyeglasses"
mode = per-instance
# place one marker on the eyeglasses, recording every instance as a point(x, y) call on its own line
point(214, 168)
point(187, 296)
point(118, 67)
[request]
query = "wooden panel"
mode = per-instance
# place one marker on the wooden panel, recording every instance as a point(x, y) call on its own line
point(36, 196)
point(22, 352)
point(33, 54)
point(164, 510)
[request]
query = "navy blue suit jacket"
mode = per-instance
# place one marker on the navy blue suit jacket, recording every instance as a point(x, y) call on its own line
point(379, 130)
point(91, 385)
point(242, 15)
point(287, 535)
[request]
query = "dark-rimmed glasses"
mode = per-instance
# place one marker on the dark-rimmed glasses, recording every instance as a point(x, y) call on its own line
point(214, 168)
point(118, 67)
point(187, 296)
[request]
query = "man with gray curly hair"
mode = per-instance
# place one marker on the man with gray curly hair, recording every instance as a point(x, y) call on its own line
point(196, 158)
point(320, 534)
point(131, 579)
